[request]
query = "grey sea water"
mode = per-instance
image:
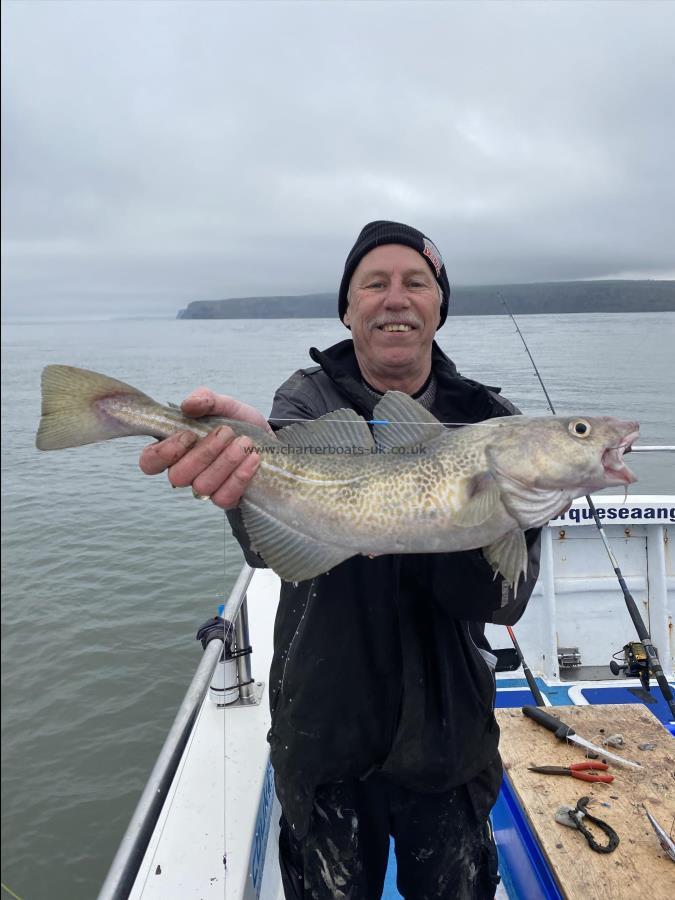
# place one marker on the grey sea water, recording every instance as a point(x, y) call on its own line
point(107, 574)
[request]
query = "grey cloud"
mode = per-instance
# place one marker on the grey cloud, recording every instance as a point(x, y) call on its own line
point(155, 153)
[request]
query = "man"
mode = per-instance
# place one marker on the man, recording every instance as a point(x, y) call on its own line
point(382, 684)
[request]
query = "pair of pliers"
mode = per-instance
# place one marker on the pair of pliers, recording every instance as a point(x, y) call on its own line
point(583, 771)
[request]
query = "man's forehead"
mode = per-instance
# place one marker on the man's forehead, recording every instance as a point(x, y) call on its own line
point(389, 256)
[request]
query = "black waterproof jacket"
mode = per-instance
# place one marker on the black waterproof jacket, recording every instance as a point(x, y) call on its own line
point(382, 664)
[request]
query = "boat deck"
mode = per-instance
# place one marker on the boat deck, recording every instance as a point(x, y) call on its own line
point(196, 808)
point(227, 813)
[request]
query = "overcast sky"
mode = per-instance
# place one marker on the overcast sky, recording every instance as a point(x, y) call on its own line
point(155, 153)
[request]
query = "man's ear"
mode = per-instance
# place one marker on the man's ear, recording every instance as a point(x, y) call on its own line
point(346, 317)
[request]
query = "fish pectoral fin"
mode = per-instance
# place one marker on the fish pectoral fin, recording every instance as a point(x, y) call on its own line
point(404, 423)
point(293, 556)
point(508, 556)
point(483, 501)
point(530, 506)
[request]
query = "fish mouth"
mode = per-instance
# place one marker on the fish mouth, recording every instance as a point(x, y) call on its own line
point(615, 469)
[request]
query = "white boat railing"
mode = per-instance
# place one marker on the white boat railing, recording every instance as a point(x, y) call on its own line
point(127, 861)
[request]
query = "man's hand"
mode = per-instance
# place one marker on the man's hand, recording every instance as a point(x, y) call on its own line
point(220, 465)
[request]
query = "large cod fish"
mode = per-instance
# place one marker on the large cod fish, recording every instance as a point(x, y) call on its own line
point(328, 489)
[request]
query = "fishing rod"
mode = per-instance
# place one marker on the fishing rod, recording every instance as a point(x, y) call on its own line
point(539, 699)
point(652, 657)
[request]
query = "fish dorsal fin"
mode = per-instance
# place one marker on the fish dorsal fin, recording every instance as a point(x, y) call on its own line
point(402, 422)
point(342, 428)
point(294, 556)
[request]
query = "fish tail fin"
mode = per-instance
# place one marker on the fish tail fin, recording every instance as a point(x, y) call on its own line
point(70, 416)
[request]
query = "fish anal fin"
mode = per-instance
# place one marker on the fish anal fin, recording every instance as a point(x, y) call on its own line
point(508, 556)
point(293, 556)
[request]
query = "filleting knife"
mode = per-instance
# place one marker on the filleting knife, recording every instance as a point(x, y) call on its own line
point(565, 733)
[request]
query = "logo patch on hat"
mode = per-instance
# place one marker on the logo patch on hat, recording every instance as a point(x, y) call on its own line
point(431, 251)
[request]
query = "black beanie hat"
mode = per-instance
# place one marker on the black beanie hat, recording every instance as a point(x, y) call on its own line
point(377, 233)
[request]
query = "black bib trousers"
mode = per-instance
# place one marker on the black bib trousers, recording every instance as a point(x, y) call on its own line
point(443, 850)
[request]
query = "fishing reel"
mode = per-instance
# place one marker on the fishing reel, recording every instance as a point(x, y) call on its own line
point(635, 663)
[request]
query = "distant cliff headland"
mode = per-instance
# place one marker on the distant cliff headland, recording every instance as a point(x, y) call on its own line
point(547, 297)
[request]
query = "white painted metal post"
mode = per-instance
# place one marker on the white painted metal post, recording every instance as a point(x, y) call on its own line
point(547, 581)
point(660, 616)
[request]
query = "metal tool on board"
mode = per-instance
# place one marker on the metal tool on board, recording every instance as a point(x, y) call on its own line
point(573, 817)
point(664, 838)
point(565, 733)
point(584, 771)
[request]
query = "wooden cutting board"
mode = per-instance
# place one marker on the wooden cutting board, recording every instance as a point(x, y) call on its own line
point(639, 866)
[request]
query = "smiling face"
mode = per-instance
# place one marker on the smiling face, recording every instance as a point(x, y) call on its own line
point(393, 312)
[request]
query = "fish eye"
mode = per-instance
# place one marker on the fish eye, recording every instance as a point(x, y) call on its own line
point(580, 428)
